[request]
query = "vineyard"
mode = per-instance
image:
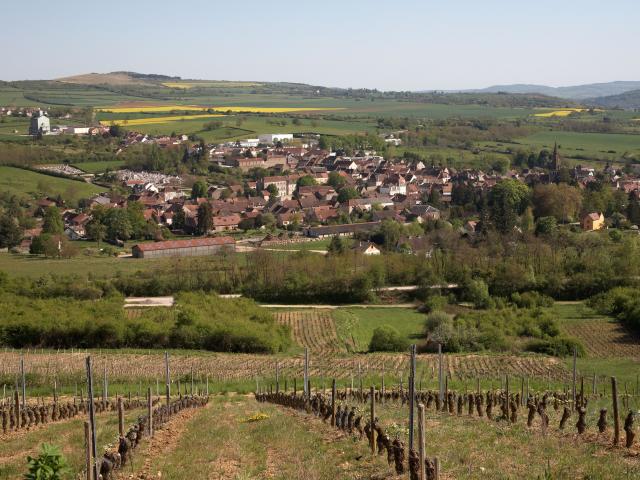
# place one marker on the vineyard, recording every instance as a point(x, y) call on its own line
point(277, 416)
point(604, 338)
point(529, 403)
point(313, 329)
point(147, 366)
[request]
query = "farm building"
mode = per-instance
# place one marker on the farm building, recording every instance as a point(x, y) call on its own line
point(344, 230)
point(183, 248)
point(270, 138)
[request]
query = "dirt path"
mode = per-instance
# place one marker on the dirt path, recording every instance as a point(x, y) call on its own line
point(164, 440)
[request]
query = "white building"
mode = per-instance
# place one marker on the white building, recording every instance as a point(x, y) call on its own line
point(270, 138)
point(39, 124)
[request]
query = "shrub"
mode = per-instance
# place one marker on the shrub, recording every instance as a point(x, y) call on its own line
point(477, 292)
point(49, 465)
point(387, 339)
point(531, 300)
point(487, 330)
point(435, 302)
point(558, 347)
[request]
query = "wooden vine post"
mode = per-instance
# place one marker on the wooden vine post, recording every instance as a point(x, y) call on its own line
point(24, 384)
point(373, 419)
point(92, 419)
point(87, 449)
point(573, 391)
point(506, 387)
point(412, 394)
point(120, 417)
point(440, 384)
point(105, 386)
point(616, 416)
point(16, 407)
point(150, 411)
point(421, 445)
point(277, 378)
point(382, 386)
point(333, 403)
point(167, 377)
point(305, 385)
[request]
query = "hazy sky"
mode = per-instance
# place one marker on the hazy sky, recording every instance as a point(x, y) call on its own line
point(390, 45)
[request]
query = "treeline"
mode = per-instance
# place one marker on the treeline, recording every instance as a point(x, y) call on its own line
point(198, 321)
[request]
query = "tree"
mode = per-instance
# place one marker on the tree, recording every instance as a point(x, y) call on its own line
point(10, 232)
point(527, 220)
point(53, 221)
point(199, 189)
point(560, 201)
point(118, 224)
point(336, 247)
point(508, 199)
point(247, 224)
point(434, 198)
point(387, 339)
point(477, 291)
point(306, 181)
point(97, 231)
point(336, 180)
point(273, 190)
point(135, 212)
point(346, 194)
point(268, 220)
point(205, 218)
point(389, 233)
point(547, 226)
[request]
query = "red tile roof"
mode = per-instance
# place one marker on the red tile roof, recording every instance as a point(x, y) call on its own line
point(196, 242)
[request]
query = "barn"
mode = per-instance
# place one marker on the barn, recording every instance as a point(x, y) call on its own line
point(184, 248)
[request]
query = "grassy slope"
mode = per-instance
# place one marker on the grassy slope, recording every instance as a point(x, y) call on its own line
point(22, 182)
point(359, 323)
point(36, 266)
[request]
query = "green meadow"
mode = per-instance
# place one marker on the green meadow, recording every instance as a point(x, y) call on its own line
point(27, 182)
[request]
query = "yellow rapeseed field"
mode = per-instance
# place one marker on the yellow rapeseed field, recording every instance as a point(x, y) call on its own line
point(156, 120)
point(565, 112)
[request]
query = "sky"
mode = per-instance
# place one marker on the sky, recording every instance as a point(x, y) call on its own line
point(388, 45)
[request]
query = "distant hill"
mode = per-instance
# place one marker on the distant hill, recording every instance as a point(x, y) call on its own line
point(576, 92)
point(117, 78)
point(626, 100)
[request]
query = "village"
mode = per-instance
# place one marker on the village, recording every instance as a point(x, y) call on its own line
point(304, 192)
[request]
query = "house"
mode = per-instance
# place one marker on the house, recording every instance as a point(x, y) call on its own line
point(183, 248)
point(593, 221)
point(222, 223)
point(367, 248)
